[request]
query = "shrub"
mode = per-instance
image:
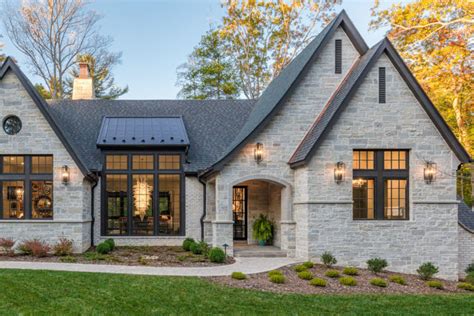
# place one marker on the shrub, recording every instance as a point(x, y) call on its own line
point(7, 246)
point(216, 254)
point(332, 273)
point(466, 286)
point(427, 270)
point(68, 259)
point(274, 272)
point(350, 271)
point(376, 265)
point(349, 281)
point(103, 248)
point(35, 247)
point(300, 268)
point(308, 264)
point(187, 244)
point(111, 243)
point(196, 248)
point(262, 229)
point(470, 278)
point(238, 276)
point(470, 268)
point(435, 284)
point(318, 282)
point(63, 247)
point(277, 278)
point(397, 279)
point(378, 282)
point(305, 275)
point(205, 248)
point(328, 259)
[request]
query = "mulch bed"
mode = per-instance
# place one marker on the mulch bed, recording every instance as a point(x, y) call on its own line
point(294, 284)
point(159, 256)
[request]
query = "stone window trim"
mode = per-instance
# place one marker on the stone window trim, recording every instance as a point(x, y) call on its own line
point(27, 177)
point(380, 175)
point(156, 172)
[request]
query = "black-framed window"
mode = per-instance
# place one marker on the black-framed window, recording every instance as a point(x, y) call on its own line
point(143, 194)
point(380, 184)
point(26, 187)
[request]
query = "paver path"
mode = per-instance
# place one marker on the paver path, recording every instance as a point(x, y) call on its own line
point(245, 265)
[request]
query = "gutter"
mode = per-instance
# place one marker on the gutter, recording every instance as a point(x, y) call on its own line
point(203, 207)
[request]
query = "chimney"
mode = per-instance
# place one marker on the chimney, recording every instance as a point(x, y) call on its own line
point(83, 86)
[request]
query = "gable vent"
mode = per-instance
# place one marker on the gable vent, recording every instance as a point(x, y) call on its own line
point(382, 88)
point(338, 56)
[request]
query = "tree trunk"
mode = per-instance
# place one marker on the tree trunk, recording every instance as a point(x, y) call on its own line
point(463, 133)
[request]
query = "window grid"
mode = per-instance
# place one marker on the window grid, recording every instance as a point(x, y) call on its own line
point(169, 162)
point(142, 162)
point(116, 162)
point(395, 160)
point(363, 160)
point(395, 199)
point(42, 164)
point(363, 196)
point(14, 164)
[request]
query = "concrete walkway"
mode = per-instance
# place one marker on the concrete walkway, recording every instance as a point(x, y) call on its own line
point(245, 265)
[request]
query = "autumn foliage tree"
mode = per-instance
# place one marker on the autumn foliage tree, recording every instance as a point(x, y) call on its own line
point(433, 38)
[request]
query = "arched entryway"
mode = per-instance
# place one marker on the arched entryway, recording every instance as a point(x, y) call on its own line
point(253, 196)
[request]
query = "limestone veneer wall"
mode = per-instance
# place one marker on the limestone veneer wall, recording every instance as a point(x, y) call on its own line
point(431, 233)
point(71, 203)
point(466, 249)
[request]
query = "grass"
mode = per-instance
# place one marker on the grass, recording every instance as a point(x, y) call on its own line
point(66, 293)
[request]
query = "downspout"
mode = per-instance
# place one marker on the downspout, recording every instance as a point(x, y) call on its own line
point(92, 209)
point(204, 208)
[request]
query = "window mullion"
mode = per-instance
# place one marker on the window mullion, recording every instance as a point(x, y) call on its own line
point(379, 187)
point(27, 195)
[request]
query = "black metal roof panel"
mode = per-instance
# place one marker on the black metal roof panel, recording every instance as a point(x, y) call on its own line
point(466, 217)
point(142, 131)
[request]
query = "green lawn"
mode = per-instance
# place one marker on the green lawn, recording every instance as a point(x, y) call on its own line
point(43, 292)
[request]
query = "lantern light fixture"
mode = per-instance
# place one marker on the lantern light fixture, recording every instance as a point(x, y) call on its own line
point(258, 152)
point(65, 174)
point(339, 172)
point(429, 172)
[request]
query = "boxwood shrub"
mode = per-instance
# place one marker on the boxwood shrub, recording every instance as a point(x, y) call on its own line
point(216, 254)
point(103, 248)
point(196, 248)
point(111, 243)
point(187, 244)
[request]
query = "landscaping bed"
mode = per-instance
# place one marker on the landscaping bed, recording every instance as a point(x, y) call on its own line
point(294, 284)
point(108, 253)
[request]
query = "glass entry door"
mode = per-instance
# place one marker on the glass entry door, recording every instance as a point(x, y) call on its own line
point(239, 209)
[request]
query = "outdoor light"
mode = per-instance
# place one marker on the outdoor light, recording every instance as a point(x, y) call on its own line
point(225, 248)
point(65, 174)
point(339, 172)
point(430, 172)
point(258, 152)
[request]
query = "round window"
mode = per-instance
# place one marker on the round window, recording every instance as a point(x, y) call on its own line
point(12, 125)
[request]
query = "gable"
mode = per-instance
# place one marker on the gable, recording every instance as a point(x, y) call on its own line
point(11, 77)
point(343, 95)
point(282, 87)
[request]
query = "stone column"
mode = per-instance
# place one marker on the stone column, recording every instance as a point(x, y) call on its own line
point(222, 225)
point(210, 211)
point(288, 225)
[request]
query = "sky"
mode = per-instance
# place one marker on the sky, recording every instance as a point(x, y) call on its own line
point(156, 36)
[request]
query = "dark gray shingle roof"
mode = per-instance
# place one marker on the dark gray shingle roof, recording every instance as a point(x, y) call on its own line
point(466, 217)
point(211, 125)
point(142, 131)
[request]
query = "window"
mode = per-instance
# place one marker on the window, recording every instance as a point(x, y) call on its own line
point(338, 57)
point(382, 88)
point(380, 184)
point(143, 199)
point(26, 184)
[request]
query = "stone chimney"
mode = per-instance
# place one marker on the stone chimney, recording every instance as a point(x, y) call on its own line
point(83, 86)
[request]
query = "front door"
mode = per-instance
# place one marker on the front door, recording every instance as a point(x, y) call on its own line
point(239, 209)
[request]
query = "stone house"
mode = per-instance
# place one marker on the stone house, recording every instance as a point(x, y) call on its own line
point(344, 152)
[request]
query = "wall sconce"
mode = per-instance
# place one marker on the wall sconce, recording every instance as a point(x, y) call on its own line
point(258, 152)
point(65, 174)
point(339, 172)
point(429, 172)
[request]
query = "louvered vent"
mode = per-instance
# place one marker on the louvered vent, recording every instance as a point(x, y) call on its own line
point(338, 56)
point(382, 85)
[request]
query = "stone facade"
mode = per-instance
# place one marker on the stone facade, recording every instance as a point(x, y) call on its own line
point(466, 249)
point(430, 234)
point(71, 203)
point(281, 136)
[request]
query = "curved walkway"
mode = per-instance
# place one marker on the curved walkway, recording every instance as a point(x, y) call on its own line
point(245, 265)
